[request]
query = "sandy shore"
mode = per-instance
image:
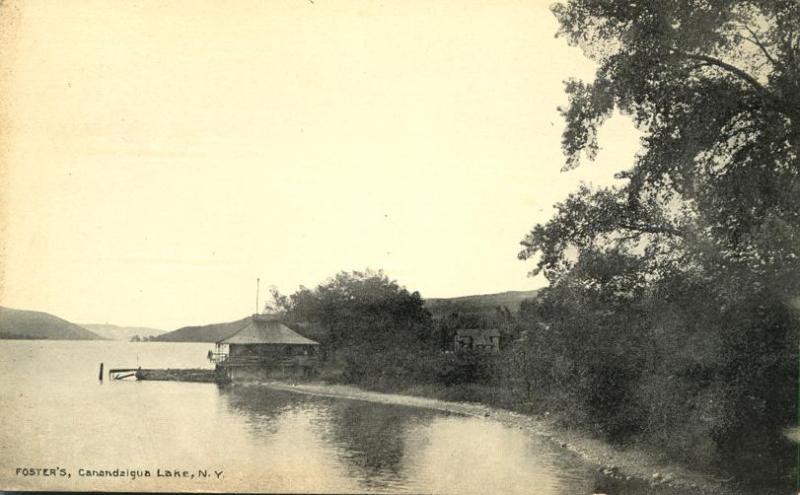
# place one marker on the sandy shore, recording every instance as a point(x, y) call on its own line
point(614, 462)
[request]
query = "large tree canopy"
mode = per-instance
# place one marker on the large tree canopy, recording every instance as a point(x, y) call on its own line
point(672, 311)
point(355, 308)
point(373, 331)
point(714, 86)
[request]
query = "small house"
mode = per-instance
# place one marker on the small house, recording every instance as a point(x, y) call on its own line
point(265, 348)
point(477, 339)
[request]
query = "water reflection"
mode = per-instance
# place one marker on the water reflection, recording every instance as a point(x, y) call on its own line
point(365, 441)
point(373, 440)
point(393, 448)
point(472, 455)
point(264, 440)
point(287, 450)
point(325, 444)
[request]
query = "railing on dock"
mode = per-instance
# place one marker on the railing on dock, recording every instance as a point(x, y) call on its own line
point(217, 357)
point(266, 361)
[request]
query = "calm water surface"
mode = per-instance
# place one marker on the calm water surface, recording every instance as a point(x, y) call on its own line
point(56, 414)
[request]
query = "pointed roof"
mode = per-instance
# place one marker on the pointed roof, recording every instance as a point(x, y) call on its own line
point(262, 329)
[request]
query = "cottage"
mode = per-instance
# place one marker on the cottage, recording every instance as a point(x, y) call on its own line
point(477, 339)
point(265, 348)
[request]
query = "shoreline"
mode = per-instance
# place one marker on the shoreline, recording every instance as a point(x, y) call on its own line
point(620, 464)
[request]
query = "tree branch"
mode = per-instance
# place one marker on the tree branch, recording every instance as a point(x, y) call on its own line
point(650, 229)
point(760, 45)
point(752, 81)
point(697, 66)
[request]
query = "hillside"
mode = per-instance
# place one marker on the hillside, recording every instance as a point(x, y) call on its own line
point(21, 324)
point(114, 332)
point(203, 333)
point(478, 304)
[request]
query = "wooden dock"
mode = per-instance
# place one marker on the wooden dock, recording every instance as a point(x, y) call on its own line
point(173, 375)
point(179, 375)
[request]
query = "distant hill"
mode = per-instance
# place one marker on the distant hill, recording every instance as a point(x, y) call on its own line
point(478, 304)
point(204, 333)
point(114, 332)
point(21, 324)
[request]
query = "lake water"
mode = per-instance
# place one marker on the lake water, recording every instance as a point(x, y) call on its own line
point(57, 415)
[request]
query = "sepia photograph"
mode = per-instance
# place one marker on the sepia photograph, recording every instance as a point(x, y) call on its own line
point(541, 247)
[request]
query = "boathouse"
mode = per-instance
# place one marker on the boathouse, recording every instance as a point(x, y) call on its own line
point(477, 339)
point(265, 348)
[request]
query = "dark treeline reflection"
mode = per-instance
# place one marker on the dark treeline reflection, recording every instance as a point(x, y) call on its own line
point(374, 436)
point(390, 448)
point(369, 439)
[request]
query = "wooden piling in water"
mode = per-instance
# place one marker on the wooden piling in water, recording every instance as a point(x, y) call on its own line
point(101, 372)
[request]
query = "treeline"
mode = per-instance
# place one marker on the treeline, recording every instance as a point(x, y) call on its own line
point(699, 369)
point(15, 336)
point(377, 334)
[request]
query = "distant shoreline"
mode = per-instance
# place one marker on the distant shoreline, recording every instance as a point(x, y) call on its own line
point(9, 336)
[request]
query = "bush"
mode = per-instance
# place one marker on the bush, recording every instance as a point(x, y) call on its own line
point(457, 368)
point(707, 379)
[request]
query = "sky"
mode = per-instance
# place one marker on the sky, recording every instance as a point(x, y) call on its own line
point(158, 157)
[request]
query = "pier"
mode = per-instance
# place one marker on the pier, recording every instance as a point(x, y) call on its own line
point(175, 375)
point(179, 375)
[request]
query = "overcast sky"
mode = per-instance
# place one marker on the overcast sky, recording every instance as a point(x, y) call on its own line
point(159, 156)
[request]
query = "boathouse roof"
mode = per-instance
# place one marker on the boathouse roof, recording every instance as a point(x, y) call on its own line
point(261, 329)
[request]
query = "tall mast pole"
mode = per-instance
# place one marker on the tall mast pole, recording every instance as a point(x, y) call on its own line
point(258, 285)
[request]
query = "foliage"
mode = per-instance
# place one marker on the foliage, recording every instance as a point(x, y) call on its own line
point(391, 367)
point(361, 308)
point(714, 87)
point(669, 317)
point(370, 327)
point(456, 368)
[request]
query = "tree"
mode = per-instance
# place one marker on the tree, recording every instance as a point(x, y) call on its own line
point(375, 332)
point(276, 302)
point(356, 308)
point(715, 88)
point(696, 256)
